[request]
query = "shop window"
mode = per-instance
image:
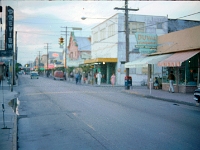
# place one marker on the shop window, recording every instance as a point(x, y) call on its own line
point(191, 66)
point(165, 73)
point(181, 76)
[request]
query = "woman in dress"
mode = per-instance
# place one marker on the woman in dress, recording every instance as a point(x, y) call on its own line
point(112, 79)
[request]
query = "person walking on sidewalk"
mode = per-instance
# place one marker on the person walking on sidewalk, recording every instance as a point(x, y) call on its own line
point(171, 79)
point(112, 79)
point(156, 83)
point(99, 76)
point(77, 77)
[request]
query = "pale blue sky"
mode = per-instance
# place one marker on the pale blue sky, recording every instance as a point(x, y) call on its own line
point(40, 22)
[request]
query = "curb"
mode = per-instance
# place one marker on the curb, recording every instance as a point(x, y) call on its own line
point(14, 147)
point(163, 99)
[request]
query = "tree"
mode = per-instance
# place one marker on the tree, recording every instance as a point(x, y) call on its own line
point(18, 67)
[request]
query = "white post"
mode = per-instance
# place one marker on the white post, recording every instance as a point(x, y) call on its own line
point(150, 85)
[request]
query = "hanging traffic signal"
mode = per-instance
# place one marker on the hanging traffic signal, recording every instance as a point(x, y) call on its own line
point(61, 41)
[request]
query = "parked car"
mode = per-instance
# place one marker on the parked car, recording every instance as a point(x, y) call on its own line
point(58, 75)
point(20, 73)
point(197, 95)
point(34, 75)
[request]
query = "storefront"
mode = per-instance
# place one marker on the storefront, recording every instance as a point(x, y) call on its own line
point(178, 52)
point(104, 65)
point(185, 66)
point(184, 46)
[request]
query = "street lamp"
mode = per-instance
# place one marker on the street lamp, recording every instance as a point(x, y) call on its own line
point(84, 18)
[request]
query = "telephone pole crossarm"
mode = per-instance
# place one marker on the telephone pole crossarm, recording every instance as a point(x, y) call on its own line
point(116, 8)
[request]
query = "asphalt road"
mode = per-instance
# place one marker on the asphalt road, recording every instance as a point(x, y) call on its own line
point(56, 115)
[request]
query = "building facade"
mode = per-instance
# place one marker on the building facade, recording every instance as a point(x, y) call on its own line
point(178, 52)
point(108, 48)
point(184, 61)
point(79, 49)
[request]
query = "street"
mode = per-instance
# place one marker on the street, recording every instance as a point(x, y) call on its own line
point(60, 115)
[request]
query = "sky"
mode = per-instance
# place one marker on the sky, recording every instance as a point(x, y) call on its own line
point(40, 22)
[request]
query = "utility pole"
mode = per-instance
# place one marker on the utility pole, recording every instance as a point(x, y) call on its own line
point(127, 34)
point(65, 52)
point(47, 56)
point(66, 48)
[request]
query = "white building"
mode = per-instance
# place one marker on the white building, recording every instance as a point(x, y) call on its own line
point(108, 47)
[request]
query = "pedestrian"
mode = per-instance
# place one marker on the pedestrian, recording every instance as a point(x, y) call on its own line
point(77, 77)
point(99, 76)
point(156, 83)
point(95, 78)
point(171, 79)
point(64, 75)
point(112, 79)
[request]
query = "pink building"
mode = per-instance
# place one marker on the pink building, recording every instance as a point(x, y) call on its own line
point(79, 49)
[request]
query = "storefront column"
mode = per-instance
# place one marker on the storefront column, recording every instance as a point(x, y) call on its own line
point(149, 75)
point(108, 73)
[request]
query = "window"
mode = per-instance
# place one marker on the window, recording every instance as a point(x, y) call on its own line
point(159, 25)
point(187, 74)
point(103, 34)
point(165, 72)
point(95, 37)
point(136, 27)
point(111, 30)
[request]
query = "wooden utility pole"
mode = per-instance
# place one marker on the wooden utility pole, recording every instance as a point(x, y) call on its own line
point(127, 34)
point(47, 54)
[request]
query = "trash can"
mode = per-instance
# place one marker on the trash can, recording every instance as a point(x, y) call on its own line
point(128, 82)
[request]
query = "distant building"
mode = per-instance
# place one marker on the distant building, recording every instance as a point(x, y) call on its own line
point(179, 24)
point(79, 49)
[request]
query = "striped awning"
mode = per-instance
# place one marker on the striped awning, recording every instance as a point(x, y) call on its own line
point(176, 59)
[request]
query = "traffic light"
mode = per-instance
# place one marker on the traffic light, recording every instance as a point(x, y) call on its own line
point(61, 41)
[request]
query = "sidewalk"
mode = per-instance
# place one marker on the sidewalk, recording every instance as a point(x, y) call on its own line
point(8, 119)
point(180, 98)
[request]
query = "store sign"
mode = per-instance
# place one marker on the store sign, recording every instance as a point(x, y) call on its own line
point(55, 55)
point(147, 50)
point(147, 43)
point(9, 28)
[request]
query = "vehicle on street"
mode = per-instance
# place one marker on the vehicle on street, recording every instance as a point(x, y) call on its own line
point(34, 75)
point(20, 73)
point(58, 75)
point(197, 95)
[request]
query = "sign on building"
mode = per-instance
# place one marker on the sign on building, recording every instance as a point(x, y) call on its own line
point(9, 29)
point(147, 43)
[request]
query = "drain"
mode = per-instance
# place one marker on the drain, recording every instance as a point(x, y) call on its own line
point(176, 104)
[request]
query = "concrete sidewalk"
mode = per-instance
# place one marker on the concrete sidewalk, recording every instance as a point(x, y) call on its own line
point(8, 118)
point(180, 98)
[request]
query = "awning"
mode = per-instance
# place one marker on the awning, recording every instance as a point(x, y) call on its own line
point(144, 61)
point(176, 59)
point(97, 60)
